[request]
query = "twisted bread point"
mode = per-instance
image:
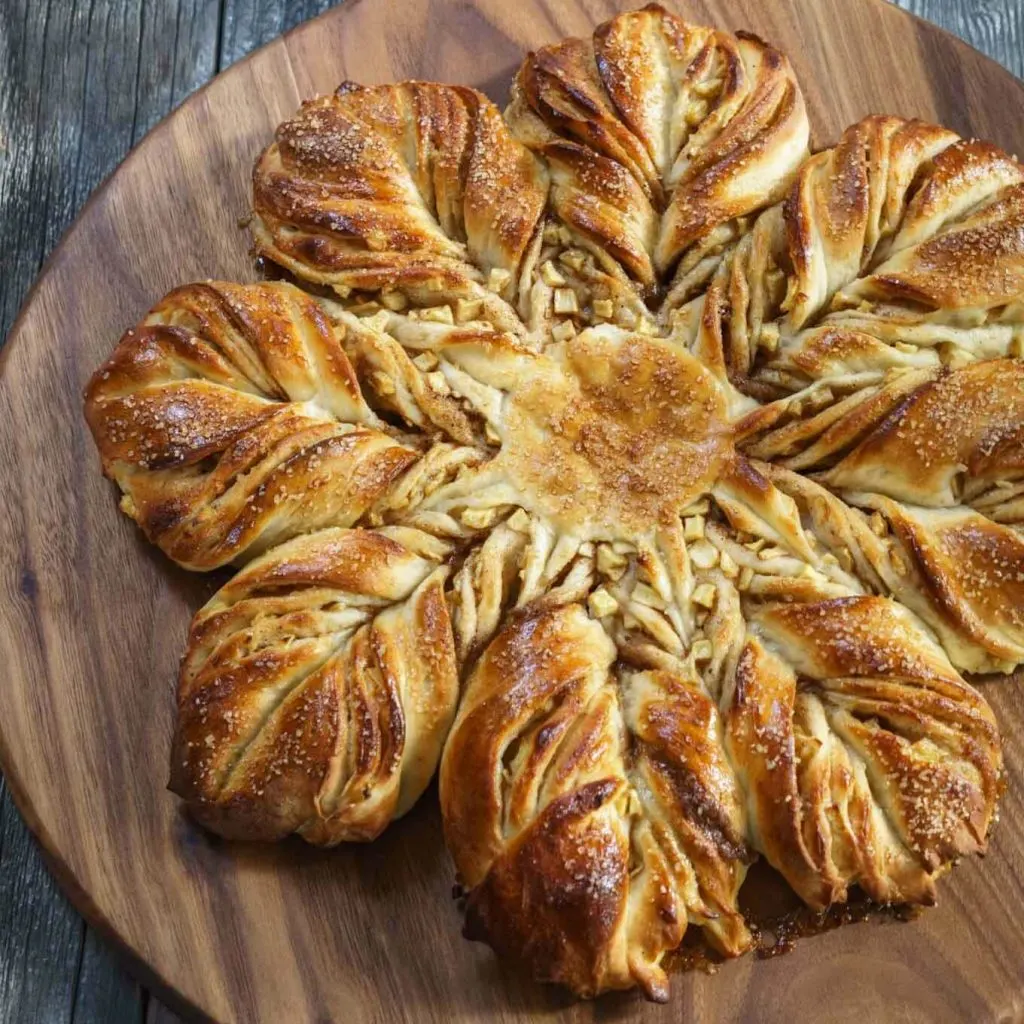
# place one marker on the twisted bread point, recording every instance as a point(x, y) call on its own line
point(554, 810)
point(958, 570)
point(953, 438)
point(231, 419)
point(661, 137)
point(415, 186)
point(933, 437)
point(317, 688)
point(905, 231)
point(866, 760)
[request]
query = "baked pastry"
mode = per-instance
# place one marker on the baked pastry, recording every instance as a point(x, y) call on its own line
point(232, 419)
point(415, 188)
point(317, 688)
point(697, 462)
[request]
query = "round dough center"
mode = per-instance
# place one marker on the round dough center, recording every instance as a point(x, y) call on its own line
point(614, 433)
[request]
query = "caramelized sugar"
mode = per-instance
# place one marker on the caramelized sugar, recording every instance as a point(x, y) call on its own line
point(778, 919)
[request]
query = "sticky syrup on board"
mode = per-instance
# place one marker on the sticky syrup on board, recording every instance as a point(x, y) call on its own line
point(777, 919)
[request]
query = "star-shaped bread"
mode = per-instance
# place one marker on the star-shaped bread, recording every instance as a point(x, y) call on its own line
point(655, 480)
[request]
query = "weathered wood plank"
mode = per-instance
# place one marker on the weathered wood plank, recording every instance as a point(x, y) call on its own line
point(42, 935)
point(996, 27)
point(104, 992)
point(43, 61)
point(82, 83)
point(248, 24)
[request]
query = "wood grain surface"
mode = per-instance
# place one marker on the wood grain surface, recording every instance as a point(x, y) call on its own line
point(92, 620)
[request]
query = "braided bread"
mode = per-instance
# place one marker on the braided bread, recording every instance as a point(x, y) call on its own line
point(662, 138)
point(416, 187)
point(694, 458)
point(317, 688)
point(232, 419)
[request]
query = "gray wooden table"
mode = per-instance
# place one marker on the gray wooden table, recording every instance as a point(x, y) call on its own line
point(81, 81)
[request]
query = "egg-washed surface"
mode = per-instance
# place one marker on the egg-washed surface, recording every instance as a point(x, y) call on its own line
point(658, 480)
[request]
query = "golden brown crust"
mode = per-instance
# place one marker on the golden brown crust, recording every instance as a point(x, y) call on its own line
point(586, 851)
point(555, 900)
point(632, 432)
point(316, 689)
point(691, 800)
point(541, 838)
point(901, 232)
point(955, 434)
point(415, 186)
point(967, 581)
point(850, 753)
point(661, 136)
point(926, 741)
point(955, 568)
point(231, 420)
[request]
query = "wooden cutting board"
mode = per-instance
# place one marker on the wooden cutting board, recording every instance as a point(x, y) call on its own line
point(92, 619)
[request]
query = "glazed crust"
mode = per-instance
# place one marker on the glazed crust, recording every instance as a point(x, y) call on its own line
point(661, 136)
point(587, 851)
point(232, 419)
point(415, 186)
point(695, 459)
point(317, 689)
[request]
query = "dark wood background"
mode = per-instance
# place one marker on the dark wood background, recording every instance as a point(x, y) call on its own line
point(81, 81)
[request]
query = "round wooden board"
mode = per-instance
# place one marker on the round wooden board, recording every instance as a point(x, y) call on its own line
point(92, 619)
